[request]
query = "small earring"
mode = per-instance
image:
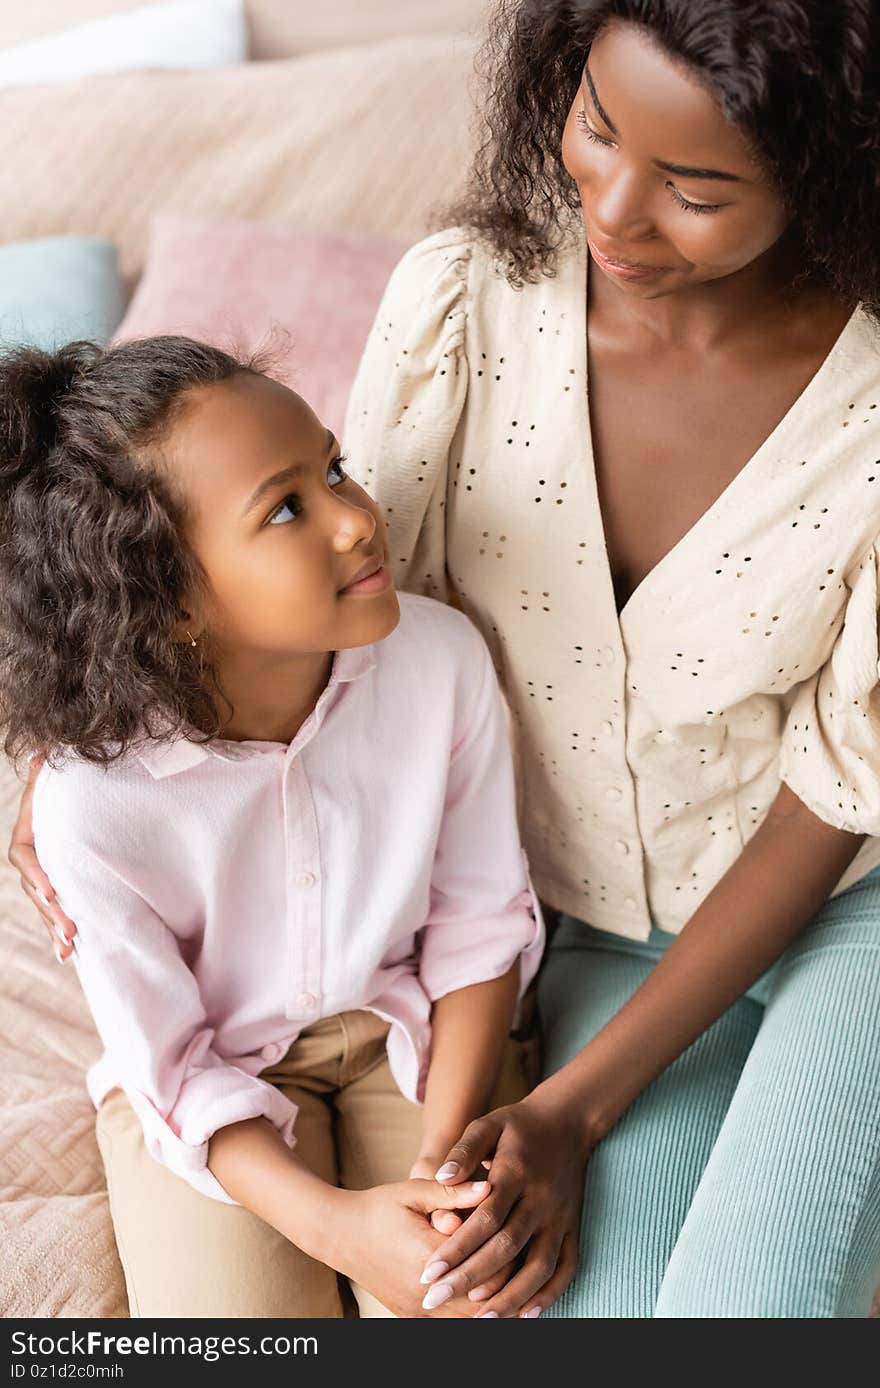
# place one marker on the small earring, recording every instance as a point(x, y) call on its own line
point(192, 639)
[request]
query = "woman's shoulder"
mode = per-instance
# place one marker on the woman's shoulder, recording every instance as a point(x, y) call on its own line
point(462, 253)
point(454, 280)
point(443, 258)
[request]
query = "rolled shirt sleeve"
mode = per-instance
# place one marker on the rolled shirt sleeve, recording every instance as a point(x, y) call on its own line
point(484, 914)
point(147, 1008)
point(830, 752)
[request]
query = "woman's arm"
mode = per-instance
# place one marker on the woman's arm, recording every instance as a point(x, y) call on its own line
point(34, 882)
point(761, 905)
point(469, 1030)
point(784, 875)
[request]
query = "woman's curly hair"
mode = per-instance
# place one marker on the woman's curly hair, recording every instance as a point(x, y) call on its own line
point(93, 564)
point(798, 77)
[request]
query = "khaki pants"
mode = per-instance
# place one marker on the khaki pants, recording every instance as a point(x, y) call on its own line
point(184, 1254)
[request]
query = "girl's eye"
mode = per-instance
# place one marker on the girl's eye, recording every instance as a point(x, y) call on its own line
point(291, 506)
point(336, 472)
point(591, 134)
point(693, 206)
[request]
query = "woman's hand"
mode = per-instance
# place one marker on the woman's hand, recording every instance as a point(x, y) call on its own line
point(538, 1154)
point(384, 1239)
point(35, 884)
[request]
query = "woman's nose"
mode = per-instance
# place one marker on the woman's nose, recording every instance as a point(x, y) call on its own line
point(619, 207)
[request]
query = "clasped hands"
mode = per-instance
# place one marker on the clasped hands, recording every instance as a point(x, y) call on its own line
point(513, 1253)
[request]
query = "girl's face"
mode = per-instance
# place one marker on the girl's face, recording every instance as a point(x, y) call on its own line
point(672, 196)
point(293, 550)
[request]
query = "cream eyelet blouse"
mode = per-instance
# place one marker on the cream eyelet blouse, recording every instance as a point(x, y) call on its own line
point(650, 745)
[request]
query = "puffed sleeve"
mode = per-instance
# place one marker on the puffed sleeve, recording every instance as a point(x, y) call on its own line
point(830, 754)
point(145, 1001)
point(406, 402)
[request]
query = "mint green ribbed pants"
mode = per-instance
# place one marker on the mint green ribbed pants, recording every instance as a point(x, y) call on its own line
point(746, 1181)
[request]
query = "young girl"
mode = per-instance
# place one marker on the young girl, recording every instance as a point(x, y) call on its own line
point(279, 803)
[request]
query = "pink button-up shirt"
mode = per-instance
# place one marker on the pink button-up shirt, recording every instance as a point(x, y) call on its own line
point(227, 896)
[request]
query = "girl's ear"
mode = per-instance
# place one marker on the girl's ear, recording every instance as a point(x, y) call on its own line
point(186, 631)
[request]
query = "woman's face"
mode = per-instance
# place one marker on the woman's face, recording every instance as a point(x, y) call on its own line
point(281, 532)
point(672, 196)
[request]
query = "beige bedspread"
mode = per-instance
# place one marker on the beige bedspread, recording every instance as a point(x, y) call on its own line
point(58, 1254)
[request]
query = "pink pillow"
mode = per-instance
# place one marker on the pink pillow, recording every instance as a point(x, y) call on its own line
point(236, 283)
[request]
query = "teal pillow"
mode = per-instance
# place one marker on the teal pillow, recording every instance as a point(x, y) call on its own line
point(58, 289)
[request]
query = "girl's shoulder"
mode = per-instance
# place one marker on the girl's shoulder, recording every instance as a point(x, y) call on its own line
point(434, 641)
point(95, 806)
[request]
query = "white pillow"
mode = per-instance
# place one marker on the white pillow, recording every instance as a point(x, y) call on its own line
point(172, 34)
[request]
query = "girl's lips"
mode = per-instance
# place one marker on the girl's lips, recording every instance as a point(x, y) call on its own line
point(374, 583)
point(623, 271)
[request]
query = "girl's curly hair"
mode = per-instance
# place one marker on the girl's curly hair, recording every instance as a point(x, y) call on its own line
point(798, 77)
point(93, 566)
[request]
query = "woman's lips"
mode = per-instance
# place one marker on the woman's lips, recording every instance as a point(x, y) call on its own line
point(626, 270)
point(375, 582)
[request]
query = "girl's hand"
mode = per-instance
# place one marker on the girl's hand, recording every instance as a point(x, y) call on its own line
point(386, 1238)
point(423, 1169)
point(538, 1155)
point(34, 882)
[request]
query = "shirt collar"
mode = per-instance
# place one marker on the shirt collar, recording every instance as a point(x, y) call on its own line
point(167, 758)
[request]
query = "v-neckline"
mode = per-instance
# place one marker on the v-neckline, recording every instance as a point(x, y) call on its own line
point(735, 482)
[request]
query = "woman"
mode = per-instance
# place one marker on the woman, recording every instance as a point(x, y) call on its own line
point(677, 570)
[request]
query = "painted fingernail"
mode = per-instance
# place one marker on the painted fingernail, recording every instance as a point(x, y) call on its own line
point(479, 1294)
point(447, 1172)
point(42, 896)
point(60, 935)
point(58, 956)
point(480, 1187)
point(488, 1316)
point(433, 1271)
point(530, 1315)
point(437, 1295)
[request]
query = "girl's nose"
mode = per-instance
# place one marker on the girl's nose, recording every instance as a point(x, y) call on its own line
point(619, 208)
point(354, 525)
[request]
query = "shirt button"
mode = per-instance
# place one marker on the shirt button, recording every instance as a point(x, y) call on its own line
point(273, 1051)
point(631, 903)
point(606, 655)
point(607, 728)
point(306, 1001)
point(305, 879)
point(621, 848)
point(614, 793)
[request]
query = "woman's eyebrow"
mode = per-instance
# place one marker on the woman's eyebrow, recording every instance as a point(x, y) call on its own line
point(597, 103)
point(286, 474)
point(683, 170)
